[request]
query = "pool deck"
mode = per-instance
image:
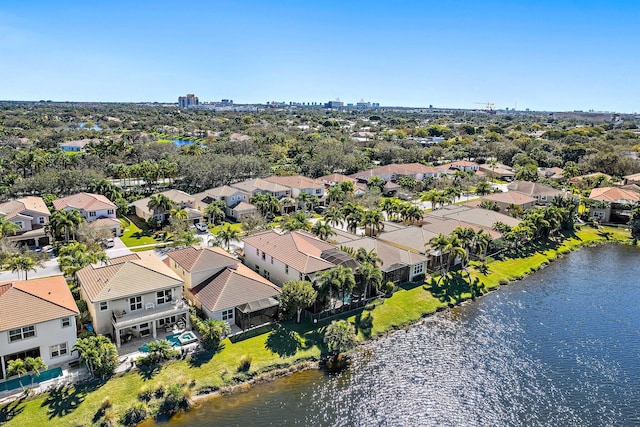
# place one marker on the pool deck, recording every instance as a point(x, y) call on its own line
point(69, 376)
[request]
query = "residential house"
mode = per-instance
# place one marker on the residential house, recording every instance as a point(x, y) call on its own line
point(223, 287)
point(261, 186)
point(543, 194)
point(95, 208)
point(133, 296)
point(31, 215)
point(616, 204)
point(477, 216)
point(554, 173)
point(236, 201)
point(337, 178)
point(498, 171)
point(300, 184)
point(509, 198)
point(38, 320)
point(295, 255)
point(180, 199)
point(631, 179)
point(399, 265)
point(394, 171)
point(77, 145)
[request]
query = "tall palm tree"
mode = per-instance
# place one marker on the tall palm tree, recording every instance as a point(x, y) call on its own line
point(369, 257)
point(466, 236)
point(481, 242)
point(36, 365)
point(454, 250)
point(297, 221)
point(266, 204)
point(159, 204)
point(307, 200)
point(227, 234)
point(322, 230)
point(179, 213)
point(75, 256)
point(371, 276)
point(286, 203)
point(439, 243)
point(215, 211)
point(334, 216)
point(65, 221)
point(335, 194)
point(483, 188)
point(336, 279)
point(23, 263)
point(373, 220)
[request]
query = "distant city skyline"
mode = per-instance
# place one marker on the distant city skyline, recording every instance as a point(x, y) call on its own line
point(543, 55)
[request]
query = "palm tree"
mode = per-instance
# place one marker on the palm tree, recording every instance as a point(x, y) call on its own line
point(159, 204)
point(266, 204)
point(98, 353)
point(370, 257)
point(371, 276)
point(23, 263)
point(481, 242)
point(64, 221)
point(454, 249)
point(391, 206)
point(297, 221)
point(179, 213)
point(322, 230)
point(227, 234)
point(7, 227)
point(483, 188)
point(187, 238)
point(373, 220)
point(307, 200)
point(336, 279)
point(286, 203)
point(212, 331)
point(215, 211)
point(36, 365)
point(76, 256)
point(334, 216)
point(515, 210)
point(467, 238)
point(160, 350)
point(17, 367)
point(411, 213)
point(439, 243)
point(376, 181)
point(335, 194)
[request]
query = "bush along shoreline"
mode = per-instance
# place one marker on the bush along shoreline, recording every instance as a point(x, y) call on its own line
point(159, 390)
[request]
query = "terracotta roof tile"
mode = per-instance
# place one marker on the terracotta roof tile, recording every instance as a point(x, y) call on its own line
point(26, 302)
point(84, 201)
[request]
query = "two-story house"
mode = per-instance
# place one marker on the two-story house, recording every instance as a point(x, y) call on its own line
point(178, 198)
point(236, 201)
point(97, 209)
point(223, 287)
point(133, 296)
point(261, 186)
point(37, 319)
point(31, 215)
point(296, 255)
point(300, 184)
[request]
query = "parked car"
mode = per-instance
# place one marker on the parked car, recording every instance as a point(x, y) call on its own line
point(108, 243)
point(201, 227)
point(319, 209)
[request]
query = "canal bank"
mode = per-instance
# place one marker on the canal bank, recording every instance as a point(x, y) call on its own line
point(284, 346)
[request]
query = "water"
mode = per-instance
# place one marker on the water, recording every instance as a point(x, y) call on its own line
point(560, 347)
point(181, 142)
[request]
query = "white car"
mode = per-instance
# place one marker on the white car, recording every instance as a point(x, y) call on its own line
point(108, 243)
point(201, 227)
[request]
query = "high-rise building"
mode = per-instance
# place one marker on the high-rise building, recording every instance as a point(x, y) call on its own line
point(190, 100)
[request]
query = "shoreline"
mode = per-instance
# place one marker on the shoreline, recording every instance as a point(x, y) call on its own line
point(501, 272)
point(307, 365)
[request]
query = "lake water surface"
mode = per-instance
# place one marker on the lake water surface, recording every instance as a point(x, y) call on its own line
point(561, 347)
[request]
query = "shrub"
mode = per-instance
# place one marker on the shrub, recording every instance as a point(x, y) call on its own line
point(245, 363)
point(145, 394)
point(160, 391)
point(177, 399)
point(134, 415)
point(106, 403)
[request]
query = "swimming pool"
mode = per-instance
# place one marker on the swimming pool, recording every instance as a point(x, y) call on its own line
point(176, 340)
point(25, 381)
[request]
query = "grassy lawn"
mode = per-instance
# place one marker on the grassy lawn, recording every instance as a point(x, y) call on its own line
point(234, 226)
point(284, 344)
point(136, 235)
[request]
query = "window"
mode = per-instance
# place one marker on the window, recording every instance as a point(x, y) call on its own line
point(22, 333)
point(92, 213)
point(266, 274)
point(271, 260)
point(418, 268)
point(264, 256)
point(257, 268)
point(58, 350)
point(163, 296)
point(257, 252)
point(286, 269)
point(135, 303)
point(301, 276)
point(19, 224)
point(227, 314)
point(104, 306)
point(41, 220)
point(110, 212)
point(66, 322)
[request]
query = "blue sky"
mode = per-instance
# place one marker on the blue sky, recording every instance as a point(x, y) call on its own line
point(542, 55)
